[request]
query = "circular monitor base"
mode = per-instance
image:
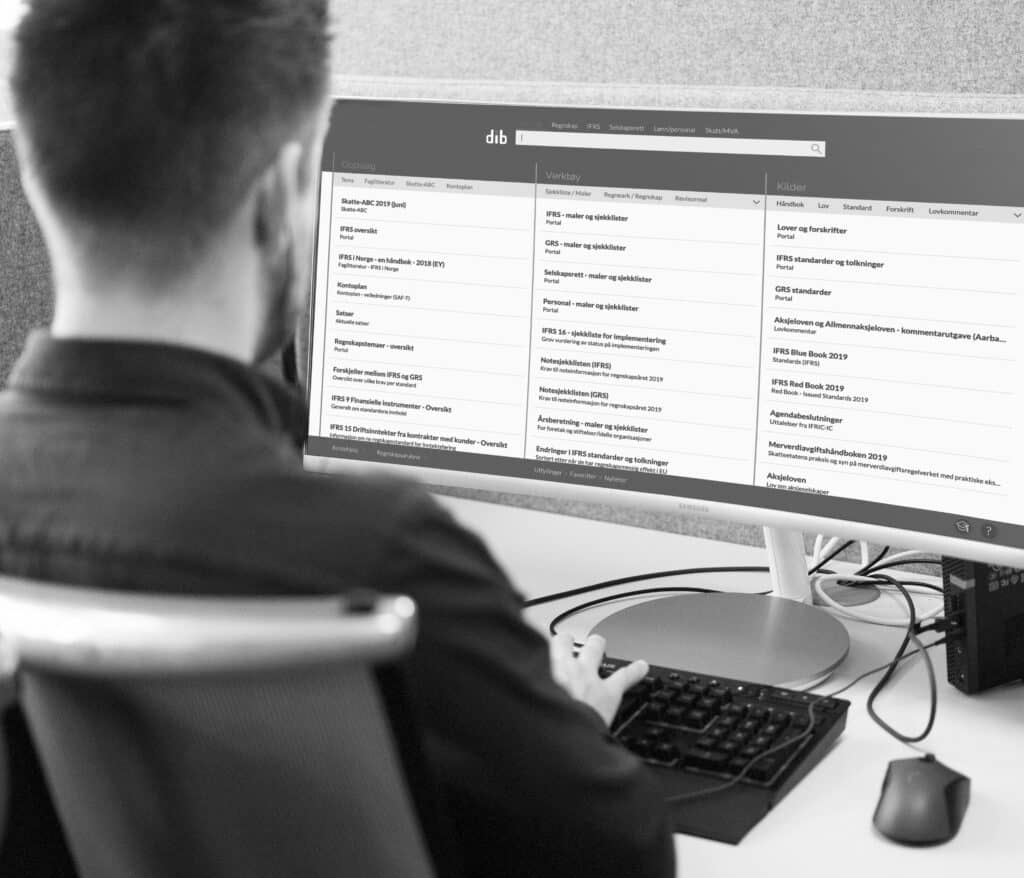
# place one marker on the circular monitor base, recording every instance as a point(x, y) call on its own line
point(761, 639)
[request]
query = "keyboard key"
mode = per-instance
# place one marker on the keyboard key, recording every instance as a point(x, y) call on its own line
point(710, 704)
point(771, 730)
point(666, 752)
point(718, 733)
point(736, 764)
point(696, 719)
point(766, 768)
point(749, 725)
point(708, 759)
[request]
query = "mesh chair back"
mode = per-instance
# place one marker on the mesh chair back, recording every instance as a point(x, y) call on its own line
point(271, 758)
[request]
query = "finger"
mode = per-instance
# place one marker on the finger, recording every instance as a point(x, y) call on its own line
point(592, 653)
point(626, 677)
point(560, 649)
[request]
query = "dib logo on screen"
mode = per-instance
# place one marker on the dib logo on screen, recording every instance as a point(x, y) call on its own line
point(496, 137)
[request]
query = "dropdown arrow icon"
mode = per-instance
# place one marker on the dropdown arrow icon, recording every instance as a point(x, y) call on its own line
point(758, 201)
point(1017, 215)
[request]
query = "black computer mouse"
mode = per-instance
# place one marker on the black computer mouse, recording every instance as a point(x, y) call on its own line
point(922, 802)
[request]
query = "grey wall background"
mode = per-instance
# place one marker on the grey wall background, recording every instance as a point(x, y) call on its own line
point(904, 45)
point(25, 297)
point(870, 55)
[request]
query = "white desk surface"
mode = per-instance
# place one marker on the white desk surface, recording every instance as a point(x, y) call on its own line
point(823, 827)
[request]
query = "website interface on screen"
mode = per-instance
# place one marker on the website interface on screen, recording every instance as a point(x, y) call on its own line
point(822, 314)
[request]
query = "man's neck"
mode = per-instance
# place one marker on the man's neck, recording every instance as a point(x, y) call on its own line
point(82, 319)
point(202, 311)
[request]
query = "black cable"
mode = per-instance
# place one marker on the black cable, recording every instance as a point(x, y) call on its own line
point(907, 561)
point(868, 571)
point(699, 794)
point(908, 655)
point(659, 574)
point(871, 568)
point(579, 608)
point(909, 637)
point(915, 583)
point(829, 557)
point(947, 623)
point(639, 577)
point(864, 571)
point(880, 581)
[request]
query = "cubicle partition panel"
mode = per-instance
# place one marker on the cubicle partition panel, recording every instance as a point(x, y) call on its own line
point(26, 297)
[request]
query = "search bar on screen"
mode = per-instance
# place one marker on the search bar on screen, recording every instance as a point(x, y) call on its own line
point(669, 143)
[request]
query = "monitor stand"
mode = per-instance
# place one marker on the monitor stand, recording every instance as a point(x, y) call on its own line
point(777, 639)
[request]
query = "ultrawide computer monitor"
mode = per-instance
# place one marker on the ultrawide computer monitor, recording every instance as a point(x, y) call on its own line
point(805, 321)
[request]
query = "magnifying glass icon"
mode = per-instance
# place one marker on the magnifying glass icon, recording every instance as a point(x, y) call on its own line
point(816, 147)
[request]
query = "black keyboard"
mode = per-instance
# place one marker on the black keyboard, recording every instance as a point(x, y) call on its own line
point(696, 732)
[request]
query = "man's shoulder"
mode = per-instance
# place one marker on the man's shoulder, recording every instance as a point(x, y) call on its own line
point(318, 526)
point(386, 532)
point(288, 504)
point(309, 493)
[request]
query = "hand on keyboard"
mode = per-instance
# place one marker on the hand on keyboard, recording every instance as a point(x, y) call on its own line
point(580, 674)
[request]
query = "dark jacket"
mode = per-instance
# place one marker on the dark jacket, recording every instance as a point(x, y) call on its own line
point(161, 468)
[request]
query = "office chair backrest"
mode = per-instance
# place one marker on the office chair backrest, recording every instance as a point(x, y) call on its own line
point(186, 736)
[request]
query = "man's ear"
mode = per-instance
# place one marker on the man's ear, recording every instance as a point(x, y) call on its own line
point(277, 198)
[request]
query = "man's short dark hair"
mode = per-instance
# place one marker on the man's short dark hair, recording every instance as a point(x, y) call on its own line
point(150, 119)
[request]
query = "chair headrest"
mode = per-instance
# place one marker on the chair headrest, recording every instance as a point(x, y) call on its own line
point(96, 632)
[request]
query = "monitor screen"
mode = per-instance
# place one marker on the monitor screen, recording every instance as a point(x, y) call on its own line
point(801, 320)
